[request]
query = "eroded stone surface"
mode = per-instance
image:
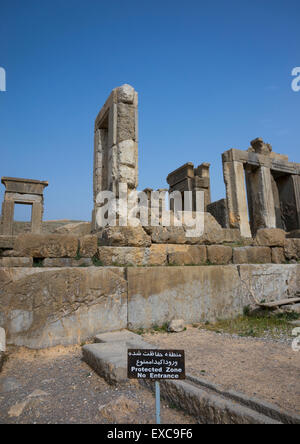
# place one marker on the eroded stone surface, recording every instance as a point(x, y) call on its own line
point(88, 246)
point(219, 254)
point(187, 254)
point(75, 229)
point(292, 249)
point(252, 255)
point(16, 262)
point(124, 237)
point(205, 293)
point(270, 237)
point(44, 307)
point(42, 246)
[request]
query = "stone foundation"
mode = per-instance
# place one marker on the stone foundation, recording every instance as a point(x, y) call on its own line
point(127, 246)
point(44, 307)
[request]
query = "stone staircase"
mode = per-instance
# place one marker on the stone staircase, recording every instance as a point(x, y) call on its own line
point(207, 402)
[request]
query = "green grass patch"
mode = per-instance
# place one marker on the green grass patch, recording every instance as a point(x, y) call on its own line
point(96, 262)
point(160, 329)
point(272, 325)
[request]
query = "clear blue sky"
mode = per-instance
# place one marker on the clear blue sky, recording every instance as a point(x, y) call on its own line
point(210, 76)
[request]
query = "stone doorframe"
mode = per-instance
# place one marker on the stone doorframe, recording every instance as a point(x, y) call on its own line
point(26, 192)
point(116, 144)
point(252, 180)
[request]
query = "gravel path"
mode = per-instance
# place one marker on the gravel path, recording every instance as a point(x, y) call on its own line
point(55, 386)
point(259, 368)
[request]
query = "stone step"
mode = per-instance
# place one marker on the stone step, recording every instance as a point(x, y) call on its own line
point(118, 336)
point(108, 356)
point(205, 401)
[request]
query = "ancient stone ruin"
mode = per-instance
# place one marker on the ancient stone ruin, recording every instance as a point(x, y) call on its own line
point(116, 143)
point(25, 192)
point(65, 282)
point(188, 178)
point(272, 185)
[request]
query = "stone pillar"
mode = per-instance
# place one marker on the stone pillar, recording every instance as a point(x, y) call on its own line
point(234, 177)
point(36, 217)
point(289, 199)
point(263, 214)
point(8, 208)
point(116, 144)
point(296, 184)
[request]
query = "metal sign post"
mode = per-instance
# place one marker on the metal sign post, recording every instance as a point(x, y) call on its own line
point(157, 401)
point(156, 365)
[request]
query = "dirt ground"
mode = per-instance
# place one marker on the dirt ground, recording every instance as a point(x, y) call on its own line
point(55, 386)
point(263, 369)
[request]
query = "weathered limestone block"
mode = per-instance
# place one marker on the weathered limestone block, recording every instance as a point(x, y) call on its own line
point(10, 253)
point(67, 262)
point(42, 246)
point(232, 235)
point(42, 307)
point(214, 237)
point(16, 262)
point(213, 233)
point(128, 175)
point(157, 295)
point(125, 122)
point(252, 255)
point(133, 256)
point(236, 196)
point(219, 254)
point(187, 254)
point(167, 235)
point(88, 245)
point(176, 326)
point(126, 94)
point(124, 236)
point(7, 241)
point(121, 256)
point(292, 249)
point(269, 282)
point(75, 228)
point(128, 153)
point(210, 223)
point(278, 256)
point(270, 237)
point(156, 255)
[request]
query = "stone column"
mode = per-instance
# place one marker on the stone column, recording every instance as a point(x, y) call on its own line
point(202, 183)
point(37, 217)
point(296, 183)
point(8, 208)
point(234, 177)
point(116, 144)
point(263, 204)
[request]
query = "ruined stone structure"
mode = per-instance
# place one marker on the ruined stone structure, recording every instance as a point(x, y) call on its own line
point(26, 192)
point(218, 209)
point(188, 178)
point(64, 286)
point(116, 144)
point(271, 183)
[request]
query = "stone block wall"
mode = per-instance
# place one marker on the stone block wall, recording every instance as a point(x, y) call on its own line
point(45, 307)
point(128, 246)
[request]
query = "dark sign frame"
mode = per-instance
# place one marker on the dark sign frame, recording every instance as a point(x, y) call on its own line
point(156, 365)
